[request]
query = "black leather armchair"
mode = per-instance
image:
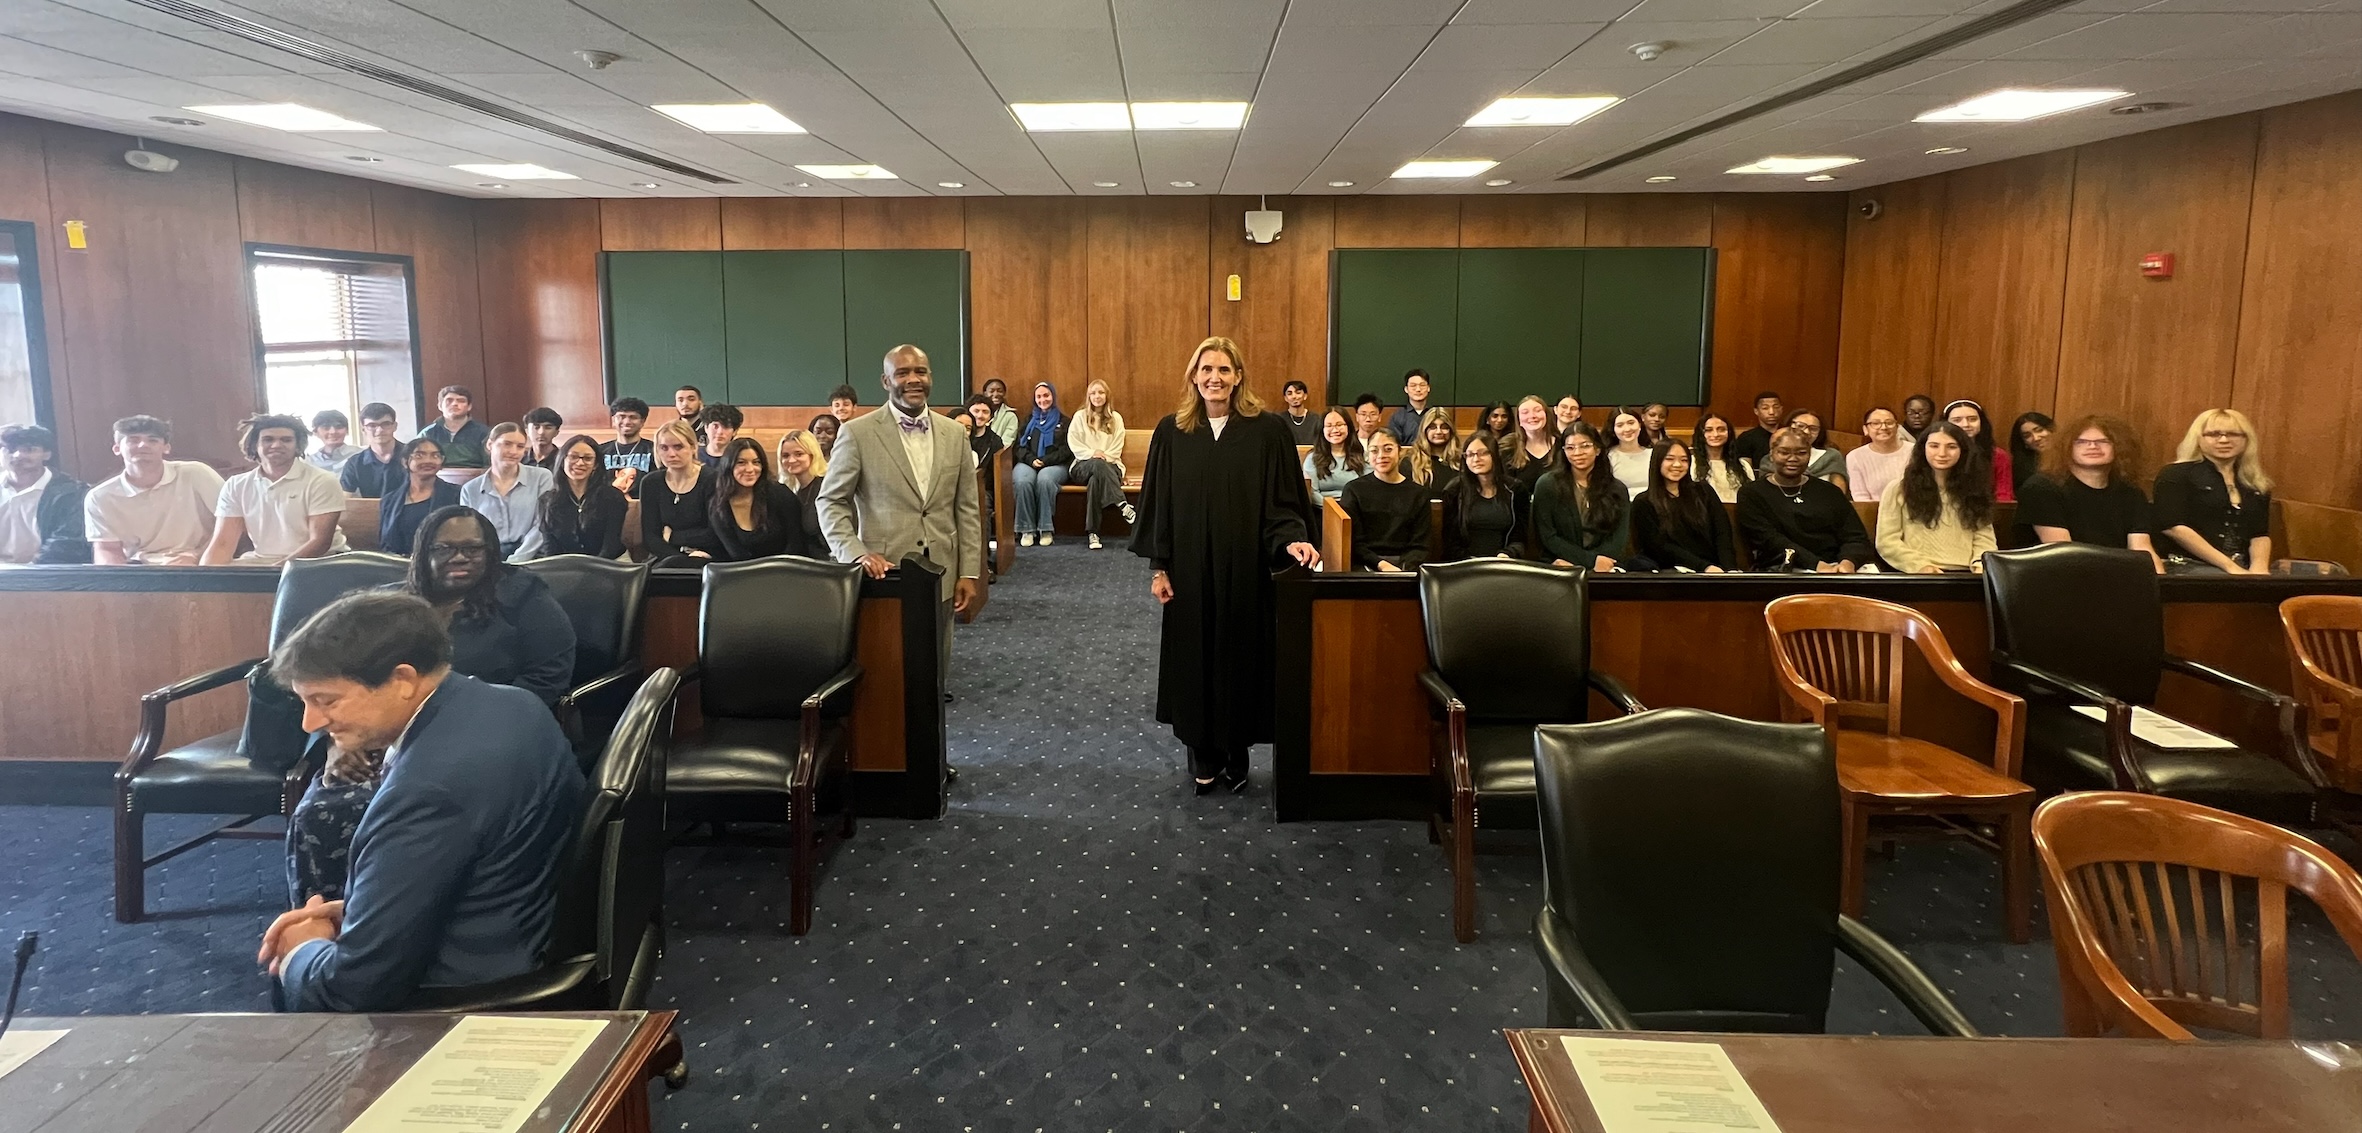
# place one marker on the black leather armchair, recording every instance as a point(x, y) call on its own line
point(775, 678)
point(256, 771)
point(1690, 866)
point(2076, 624)
point(1508, 648)
point(603, 598)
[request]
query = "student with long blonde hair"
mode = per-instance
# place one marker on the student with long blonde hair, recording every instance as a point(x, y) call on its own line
point(1097, 438)
point(2214, 507)
point(801, 467)
point(1433, 461)
point(1532, 448)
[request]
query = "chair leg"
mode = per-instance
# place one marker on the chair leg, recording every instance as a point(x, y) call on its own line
point(1857, 844)
point(131, 853)
point(799, 825)
point(2017, 870)
point(1464, 871)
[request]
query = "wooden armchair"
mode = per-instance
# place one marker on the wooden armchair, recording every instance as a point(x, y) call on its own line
point(2149, 898)
point(1839, 659)
point(2325, 663)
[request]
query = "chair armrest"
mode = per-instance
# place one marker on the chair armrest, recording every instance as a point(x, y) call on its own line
point(1919, 993)
point(1565, 959)
point(1615, 691)
point(807, 770)
point(1440, 692)
point(2059, 682)
point(596, 685)
point(2214, 676)
point(2116, 724)
point(203, 682)
point(695, 672)
point(833, 687)
point(2296, 749)
point(155, 710)
point(551, 987)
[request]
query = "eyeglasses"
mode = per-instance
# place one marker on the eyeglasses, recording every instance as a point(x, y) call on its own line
point(456, 550)
point(2088, 442)
point(2223, 435)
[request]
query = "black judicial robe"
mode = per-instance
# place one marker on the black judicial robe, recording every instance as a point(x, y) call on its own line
point(1217, 516)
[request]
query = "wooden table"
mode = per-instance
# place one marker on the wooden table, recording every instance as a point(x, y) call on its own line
point(1829, 1083)
point(290, 1073)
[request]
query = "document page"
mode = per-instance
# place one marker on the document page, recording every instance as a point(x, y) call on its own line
point(487, 1075)
point(1639, 1086)
point(19, 1047)
point(2161, 730)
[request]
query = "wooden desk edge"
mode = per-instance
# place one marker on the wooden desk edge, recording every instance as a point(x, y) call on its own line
point(1549, 1111)
point(627, 1078)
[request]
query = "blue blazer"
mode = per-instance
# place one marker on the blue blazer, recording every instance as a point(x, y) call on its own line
point(455, 863)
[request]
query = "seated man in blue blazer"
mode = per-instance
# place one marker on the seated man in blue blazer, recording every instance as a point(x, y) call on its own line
point(455, 863)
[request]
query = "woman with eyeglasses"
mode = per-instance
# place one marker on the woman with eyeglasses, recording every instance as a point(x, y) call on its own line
point(1582, 514)
point(582, 513)
point(1483, 517)
point(506, 628)
point(2214, 507)
point(419, 493)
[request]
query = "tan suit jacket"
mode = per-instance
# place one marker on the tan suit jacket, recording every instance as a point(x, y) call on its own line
point(870, 501)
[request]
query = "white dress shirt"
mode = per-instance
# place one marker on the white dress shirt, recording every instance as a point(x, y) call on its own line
point(20, 527)
point(920, 447)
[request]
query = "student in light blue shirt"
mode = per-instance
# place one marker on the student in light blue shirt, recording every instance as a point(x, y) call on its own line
point(1337, 460)
point(509, 493)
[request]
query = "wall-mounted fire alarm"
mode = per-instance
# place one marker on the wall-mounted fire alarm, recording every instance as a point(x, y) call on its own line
point(2157, 265)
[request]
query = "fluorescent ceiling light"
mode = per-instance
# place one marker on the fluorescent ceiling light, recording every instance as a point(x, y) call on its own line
point(1541, 111)
point(729, 117)
point(1188, 115)
point(1445, 168)
point(1793, 164)
point(1660, 179)
point(1822, 177)
point(517, 172)
point(1046, 116)
point(2014, 105)
point(849, 172)
point(289, 116)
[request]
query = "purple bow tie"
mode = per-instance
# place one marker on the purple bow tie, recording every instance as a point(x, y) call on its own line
point(911, 424)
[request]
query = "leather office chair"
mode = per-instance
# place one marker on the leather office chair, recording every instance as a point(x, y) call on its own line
point(1508, 647)
point(775, 678)
point(1840, 658)
point(256, 771)
point(2074, 624)
point(603, 598)
point(1690, 868)
point(2325, 665)
point(2167, 915)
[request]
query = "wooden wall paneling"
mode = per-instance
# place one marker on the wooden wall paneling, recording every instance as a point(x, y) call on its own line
point(782, 223)
point(660, 224)
point(1026, 285)
point(24, 195)
point(438, 233)
point(905, 222)
point(181, 635)
point(1281, 319)
point(2004, 278)
point(1648, 220)
point(2156, 351)
point(2303, 530)
point(282, 204)
point(1779, 286)
point(155, 312)
point(1532, 220)
point(537, 266)
point(1146, 295)
point(2299, 361)
point(1886, 331)
point(1393, 221)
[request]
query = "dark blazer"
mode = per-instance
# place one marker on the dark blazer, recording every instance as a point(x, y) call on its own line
point(786, 533)
point(594, 528)
point(1457, 545)
point(57, 519)
point(398, 520)
point(1056, 452)
point(1670, 545)
point(455, 863)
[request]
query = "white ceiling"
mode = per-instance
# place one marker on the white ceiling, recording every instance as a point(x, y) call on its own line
point(1343, 90)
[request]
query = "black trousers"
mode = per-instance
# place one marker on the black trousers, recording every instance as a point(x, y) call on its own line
point(1103, 488)
point(1206, 763)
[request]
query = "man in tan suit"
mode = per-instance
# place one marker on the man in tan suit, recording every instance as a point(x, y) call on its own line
point(901, 483)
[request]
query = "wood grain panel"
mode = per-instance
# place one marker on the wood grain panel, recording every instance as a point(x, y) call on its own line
point(1886, 335)
point(438, 233)
point(1386, 221)
point(83, 704)
point(904, 222)
point(1146, 294)
point(1648, 220)
point(1779, 286)
point(1026, 283)
point(660, 224)
point(1534, 220)
point(537, 263)
point(1368, 714)
point(1281, 319)
point(281, 204)
point(2299, 368)
point(2157, 351)
point(779, 223)
point(2303, 530)
point(2004, 277)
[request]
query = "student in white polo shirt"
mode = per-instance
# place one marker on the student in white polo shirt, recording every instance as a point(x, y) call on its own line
point(287, 505)
point(158, 512)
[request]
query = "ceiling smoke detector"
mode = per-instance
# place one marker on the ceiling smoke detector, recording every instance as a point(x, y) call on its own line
point(1651, 51)
point(2146, 107)
point(598, 60)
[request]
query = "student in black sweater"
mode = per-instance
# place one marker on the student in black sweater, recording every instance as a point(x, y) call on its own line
point(1391, 521)
point(1795, 522)
point(752, 515)
point(1754, 444)
point(1483, 516)
point(583, 513)
point(1679, 524)
point(674, 502)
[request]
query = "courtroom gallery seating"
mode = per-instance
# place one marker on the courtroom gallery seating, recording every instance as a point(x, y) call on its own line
point(2170, 917)
point(1841, 658)
point(603, 600)
point(1690, 869)
point(2075, 624)
point(2325, 662)
point(775, 679)
point(256, 771)
point(1508, 647)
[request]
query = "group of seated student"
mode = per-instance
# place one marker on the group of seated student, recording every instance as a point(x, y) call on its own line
point(1052, 449)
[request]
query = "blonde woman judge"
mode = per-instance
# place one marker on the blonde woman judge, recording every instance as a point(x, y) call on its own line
point(1222, 506)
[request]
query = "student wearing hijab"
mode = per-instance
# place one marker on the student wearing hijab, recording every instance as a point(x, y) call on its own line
point(1971, 418)
point(1042, 460)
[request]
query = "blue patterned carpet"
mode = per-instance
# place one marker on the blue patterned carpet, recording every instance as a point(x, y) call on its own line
point(1081, 944)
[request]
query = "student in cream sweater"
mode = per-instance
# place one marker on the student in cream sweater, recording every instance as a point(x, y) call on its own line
point(1097, 438)
point(1938, 515)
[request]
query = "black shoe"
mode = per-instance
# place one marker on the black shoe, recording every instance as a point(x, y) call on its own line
point(1233, 783)
point(1206, 786)
point(951, 774)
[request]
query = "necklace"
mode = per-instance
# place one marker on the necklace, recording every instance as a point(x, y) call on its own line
point(1795, 497)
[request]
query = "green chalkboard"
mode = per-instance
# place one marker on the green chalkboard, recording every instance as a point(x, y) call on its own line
point(918, 297)
point(1521, 323)
point(785, 327)
point(664, 323)
point(1390, 311)
point(1647, 325)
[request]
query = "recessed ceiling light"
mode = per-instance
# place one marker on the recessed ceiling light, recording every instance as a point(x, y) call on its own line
point(2016, 105)
point(1660, 179)
point(1792, 165)
point(728, 117)
point(1469, 168)
point(850, 172)
point(646, 185)
point(519, 172)
point(1105, 184)
point(1047, 116)
point(1340, 184)
point(288, 116)
point(1822, 177)
point(363, 158)
point(490, 185)
point(951, 184)
point(169, 120)
point(2146, 107)
point(1188, 115)
point(801, 185)
point(1182, 184)
point(1541, 111)
point(1946, 151)
point(1497, 182)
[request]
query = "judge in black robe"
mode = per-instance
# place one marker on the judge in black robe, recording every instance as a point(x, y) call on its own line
point(1219, 512)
